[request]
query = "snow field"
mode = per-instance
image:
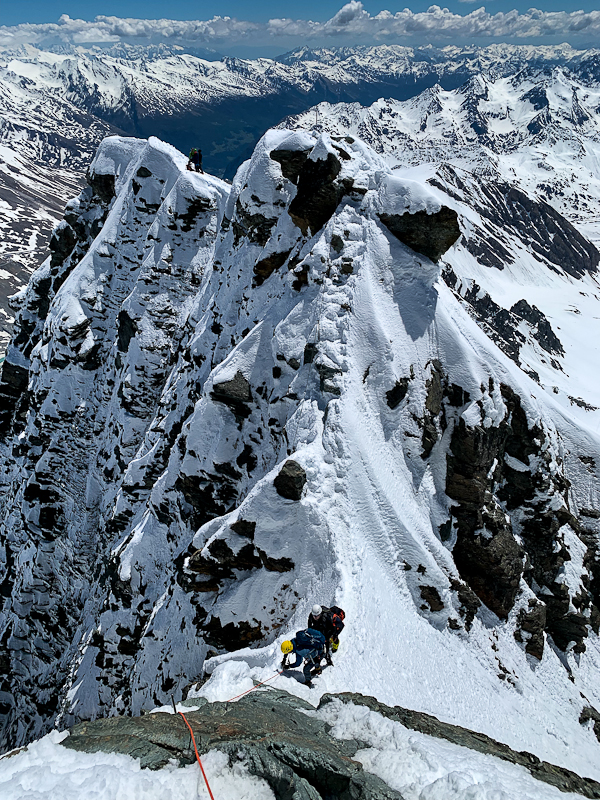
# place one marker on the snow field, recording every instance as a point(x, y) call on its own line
point(422, 767)
point(47, 771)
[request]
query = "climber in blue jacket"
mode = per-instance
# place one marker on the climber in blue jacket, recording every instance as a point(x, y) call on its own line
point(308, 645)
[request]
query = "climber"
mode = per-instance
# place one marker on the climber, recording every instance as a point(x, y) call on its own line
point(330, 621)
point(308, 645)
point(195, 159)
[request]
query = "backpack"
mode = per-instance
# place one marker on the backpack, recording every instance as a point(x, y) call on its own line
point(310, 639)
point(337, 619)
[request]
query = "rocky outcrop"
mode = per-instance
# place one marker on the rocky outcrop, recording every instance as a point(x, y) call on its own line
point(268, 732)
point(430, 234)
point(502, 483)
point(294, 753)
point(290, 480)
point(504, 326)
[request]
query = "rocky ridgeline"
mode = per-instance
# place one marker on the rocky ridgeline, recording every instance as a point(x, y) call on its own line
point(272, 734)
point(173, 427)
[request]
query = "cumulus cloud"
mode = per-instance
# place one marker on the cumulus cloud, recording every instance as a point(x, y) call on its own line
point(350, 25)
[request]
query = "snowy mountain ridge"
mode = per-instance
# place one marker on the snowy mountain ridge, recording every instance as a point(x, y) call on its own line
point(57, 106)
point(517, 159)
point(224, 402)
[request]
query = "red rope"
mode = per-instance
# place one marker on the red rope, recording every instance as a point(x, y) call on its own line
point(182, 715)
point(197, 755)
point(253, 688)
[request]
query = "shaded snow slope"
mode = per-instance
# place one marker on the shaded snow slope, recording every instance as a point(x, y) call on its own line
point(234, 401)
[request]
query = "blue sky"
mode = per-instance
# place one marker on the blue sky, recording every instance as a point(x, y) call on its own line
point(263, 24)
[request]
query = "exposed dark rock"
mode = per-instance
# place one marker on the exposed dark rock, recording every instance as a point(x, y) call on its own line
point(327, 382)
point(457, 396)
point(318, 194)
point(590, 713)
point(244, 528)
point(428, 234)
point(271, 564)
point(13, 400)
point(103, 186)
point(486, 553)
point(540, 122)
point(290, 481)
point(231, 636)
point(337, 243)
point(432, 597)
point(537, 97)
point(255, 227)
point(310, 351)
point(543, 333)
point(237, 390)
point(206, 496)
point(127, 330)
point(294, 753)
point(264, 268)
point(509, 210)
point(533, 622)
point(267, 731)
point(500, 324)
point(143, 172)
point(396, 395)
point(62, 242)
point(235, 394)
point(291, 162)
point(433, 408)
point(196, 207)
point(489, 475)
point(561, 778)
point(222, 560)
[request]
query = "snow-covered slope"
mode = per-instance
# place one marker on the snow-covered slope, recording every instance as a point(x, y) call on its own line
point(55, 107)
point(46, 144)
point(517, 157)
point(234, 401)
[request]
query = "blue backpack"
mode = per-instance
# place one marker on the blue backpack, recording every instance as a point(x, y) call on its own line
point(310, 639)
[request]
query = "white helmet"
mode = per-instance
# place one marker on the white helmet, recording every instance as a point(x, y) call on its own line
point(316, 610)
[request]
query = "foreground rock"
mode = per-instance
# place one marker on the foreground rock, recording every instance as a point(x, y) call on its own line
point(292, 751)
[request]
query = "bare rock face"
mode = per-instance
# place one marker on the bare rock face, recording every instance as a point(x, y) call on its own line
point(428, 234)
point(234, 393)
point(294, 753)
point(318, 191)
point(502, 483)
point(267, 731)
point(290, 481)
point(318, 194)
point(532, 625)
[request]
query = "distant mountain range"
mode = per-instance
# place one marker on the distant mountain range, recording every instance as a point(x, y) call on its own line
point(57, 106)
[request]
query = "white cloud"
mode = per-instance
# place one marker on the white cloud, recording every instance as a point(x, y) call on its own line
point(351, 24)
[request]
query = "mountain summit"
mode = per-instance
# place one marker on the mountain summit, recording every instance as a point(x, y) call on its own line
point(222, 404)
